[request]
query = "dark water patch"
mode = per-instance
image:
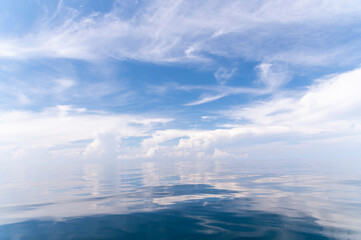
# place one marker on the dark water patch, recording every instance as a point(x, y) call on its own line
point(200, 219)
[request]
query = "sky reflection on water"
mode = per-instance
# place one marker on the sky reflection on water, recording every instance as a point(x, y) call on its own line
point(183, 199)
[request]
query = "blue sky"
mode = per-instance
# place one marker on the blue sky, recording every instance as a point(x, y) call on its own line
point(180, 79)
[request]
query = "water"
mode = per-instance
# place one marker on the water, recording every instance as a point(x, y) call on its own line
point(203, 199)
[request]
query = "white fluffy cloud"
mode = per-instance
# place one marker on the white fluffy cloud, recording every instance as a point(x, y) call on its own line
point(328, 111)
point(330, 104)
point(63, 127)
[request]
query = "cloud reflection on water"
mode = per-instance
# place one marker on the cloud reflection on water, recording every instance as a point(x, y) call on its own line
point(327, 202)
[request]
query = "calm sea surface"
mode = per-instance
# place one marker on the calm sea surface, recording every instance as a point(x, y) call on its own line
point(203, 199)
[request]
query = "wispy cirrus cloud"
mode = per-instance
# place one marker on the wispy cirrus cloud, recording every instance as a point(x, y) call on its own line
point(220, 92)
point(270, 76)
point(37, 85)
point(223, 74)
point(263, 31)
point(236, 28)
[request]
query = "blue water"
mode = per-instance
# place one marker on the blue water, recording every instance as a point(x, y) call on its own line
point(188, 199)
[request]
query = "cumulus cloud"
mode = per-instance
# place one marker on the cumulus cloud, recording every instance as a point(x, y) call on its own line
point(220, 154)
point(328, 109)
point(104, 147)
point(62, 127)
point(331, 103)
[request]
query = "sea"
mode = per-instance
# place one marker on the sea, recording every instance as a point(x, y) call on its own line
point(181, 199)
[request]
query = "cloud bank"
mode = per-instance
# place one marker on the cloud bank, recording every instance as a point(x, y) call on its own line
point(327, 111)
point(255, 72)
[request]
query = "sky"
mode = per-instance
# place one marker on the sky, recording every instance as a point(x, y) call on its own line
point(100, 80)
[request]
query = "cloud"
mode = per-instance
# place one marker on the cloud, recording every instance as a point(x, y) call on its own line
point(63, 84)
point(220, 154)
point(332, 100)
point(206, 99)
point(327, 112)
point(265, 32)
point(61, 127)
point(224, 91)
point(23, 88)
point(235, 28)
point(271, 77)
point(223, 74)
point(104, 147)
